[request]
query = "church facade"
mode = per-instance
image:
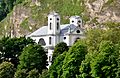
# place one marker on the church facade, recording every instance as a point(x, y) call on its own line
point(54, 33)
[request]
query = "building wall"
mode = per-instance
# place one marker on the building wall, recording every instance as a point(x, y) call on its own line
point(50, 53)
point(65, 39)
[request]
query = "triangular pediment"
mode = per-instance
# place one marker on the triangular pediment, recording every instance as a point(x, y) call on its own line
point(77, 30)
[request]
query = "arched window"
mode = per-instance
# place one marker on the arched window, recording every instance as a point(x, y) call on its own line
point(42, 42)
point(57, 25)
point(58, 19)
point(50, 40)
point(50, 25)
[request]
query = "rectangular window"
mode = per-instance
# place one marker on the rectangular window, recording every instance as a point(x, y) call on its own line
point(57, 25)
point(50, 26)
point(50, 58)
point(49, 40)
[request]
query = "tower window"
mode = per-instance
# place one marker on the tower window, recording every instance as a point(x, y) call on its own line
point(50, 58)
point(50, 18)
point(57, 18)
point(79, 25)
point(57, 25)
point(72, 21)
point(50, 40)
point(79, 21)
point(50, 26)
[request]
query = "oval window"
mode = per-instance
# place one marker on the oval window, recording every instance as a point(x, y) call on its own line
point(64, 38)
point(78, 31)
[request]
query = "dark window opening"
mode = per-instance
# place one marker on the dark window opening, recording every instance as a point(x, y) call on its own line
point(42, 42)
point(57, 25)
point(50, 26)
point(79, 21)
point(64, 38)
point(50, 58)
point(72, 21)
point(50, 40)
point(57, 18)
point(79, 25)
point(50, 18)
point(78, 31)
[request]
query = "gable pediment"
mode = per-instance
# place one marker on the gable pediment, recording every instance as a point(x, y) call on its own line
point(77, 30)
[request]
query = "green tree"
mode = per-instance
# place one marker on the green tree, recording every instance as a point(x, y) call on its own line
point(103, 64)
point(6, 6)
point(85, 67)
point(44, 74)
point(73, 59)
point(33, 56)
point(59, 49)
point(21, 73)
point(117, 51)
point(11, 48)
point(6, 70)
point(33, 74)
point(93, 38)
point(55, 70)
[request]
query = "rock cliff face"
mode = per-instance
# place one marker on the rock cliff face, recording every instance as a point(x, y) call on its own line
point(103, 11)
point(106, 13)
point(32, 14)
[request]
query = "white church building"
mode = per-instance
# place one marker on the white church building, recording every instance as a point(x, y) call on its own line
point(55, 32)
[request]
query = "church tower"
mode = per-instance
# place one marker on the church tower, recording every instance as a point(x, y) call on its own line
point(76, 20)
point(53, 34)
point(53, 23)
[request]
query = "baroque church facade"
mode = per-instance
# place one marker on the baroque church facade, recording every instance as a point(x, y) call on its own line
point(52, 34)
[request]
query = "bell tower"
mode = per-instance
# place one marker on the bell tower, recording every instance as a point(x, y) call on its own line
point(76, 20)
point(53, 23)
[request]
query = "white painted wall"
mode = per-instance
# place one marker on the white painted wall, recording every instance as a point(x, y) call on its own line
point(50, 53)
